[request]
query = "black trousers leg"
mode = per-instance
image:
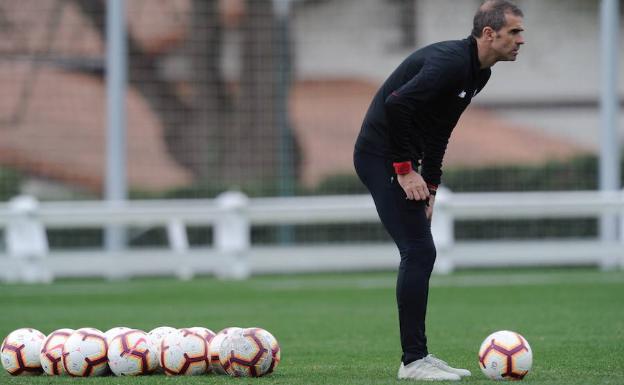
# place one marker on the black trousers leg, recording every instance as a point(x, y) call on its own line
point(406, 222)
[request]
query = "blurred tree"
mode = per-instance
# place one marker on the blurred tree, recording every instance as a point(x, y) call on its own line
point(216, 134)
point(200, 145)
point(262, 138)
point(161, 94)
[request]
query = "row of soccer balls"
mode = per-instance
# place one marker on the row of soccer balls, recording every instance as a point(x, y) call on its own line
point(250, 352)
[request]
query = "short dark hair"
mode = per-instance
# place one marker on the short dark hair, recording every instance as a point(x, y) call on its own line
point(492, 14)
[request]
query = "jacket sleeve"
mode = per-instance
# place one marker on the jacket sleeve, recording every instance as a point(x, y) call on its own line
point(435, 143)
point(406, 107)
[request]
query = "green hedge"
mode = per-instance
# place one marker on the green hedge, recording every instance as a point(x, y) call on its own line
point(580, 173)
point(10, 182)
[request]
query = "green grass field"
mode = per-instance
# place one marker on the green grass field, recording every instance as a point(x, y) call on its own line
point(342, 328)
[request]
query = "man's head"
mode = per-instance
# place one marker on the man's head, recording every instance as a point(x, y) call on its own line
point(497, 26)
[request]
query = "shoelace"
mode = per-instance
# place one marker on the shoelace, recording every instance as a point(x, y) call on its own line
point(428, 365)
point(436, 361)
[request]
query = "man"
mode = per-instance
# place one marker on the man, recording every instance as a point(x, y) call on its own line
point(406, 130)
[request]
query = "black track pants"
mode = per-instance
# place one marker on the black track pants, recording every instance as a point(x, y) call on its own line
point(406, 222)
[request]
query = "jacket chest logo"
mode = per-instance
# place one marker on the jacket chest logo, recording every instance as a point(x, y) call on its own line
point(463, 93)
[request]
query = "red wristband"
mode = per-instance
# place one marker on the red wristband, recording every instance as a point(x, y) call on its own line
point(402, 168)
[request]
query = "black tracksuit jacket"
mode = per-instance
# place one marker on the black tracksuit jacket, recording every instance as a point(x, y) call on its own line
point(414, 112)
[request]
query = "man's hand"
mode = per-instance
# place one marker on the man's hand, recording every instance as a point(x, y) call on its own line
point(414, 186)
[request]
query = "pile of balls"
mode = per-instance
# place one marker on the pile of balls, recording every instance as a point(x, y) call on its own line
point(238, 352)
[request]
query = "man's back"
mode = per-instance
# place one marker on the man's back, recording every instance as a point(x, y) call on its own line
point(442, 72)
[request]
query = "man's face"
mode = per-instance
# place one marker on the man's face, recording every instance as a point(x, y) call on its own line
point(508, 39)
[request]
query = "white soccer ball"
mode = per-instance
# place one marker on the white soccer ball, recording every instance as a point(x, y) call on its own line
point(158, 334)
point(184, 353)
point(208, 335)
point(114, 332)
point(276, 352)
point(215, 346)
point(85, 353)
point(20, 352)
point(131, 353)
point(505, 355)
point(247, 354)
point(51, 354)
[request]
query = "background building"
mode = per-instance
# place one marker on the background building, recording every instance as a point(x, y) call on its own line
point(211, 81)
point(267, 97)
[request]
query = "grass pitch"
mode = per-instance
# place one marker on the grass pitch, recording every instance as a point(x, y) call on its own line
point(342, 328)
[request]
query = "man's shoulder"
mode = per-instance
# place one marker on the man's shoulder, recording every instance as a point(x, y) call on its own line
point(450, 49)
point(443, 56)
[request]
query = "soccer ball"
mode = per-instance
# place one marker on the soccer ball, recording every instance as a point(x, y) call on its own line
point(215, 345)
point(275, 348)
point(85, 353)
point(114, 332)
point(247, 354)
point(158, 334)
point(208, 335)
point(131, 353)
point(184, 353)
point(51, 354)
point(505, 355)
point(20, 352)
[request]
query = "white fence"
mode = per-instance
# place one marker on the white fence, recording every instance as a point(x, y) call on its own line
point(28, 258)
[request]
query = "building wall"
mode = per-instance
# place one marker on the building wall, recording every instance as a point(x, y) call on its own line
point(360, 38)
point(560, 62)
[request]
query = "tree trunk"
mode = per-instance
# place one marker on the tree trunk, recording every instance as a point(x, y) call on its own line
point(187, 128)
point(211, 104)
point(260, 146)
point(248, 143)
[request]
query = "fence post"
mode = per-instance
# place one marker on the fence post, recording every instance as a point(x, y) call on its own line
point(176, 235)
point(621, 235)
point(232, 236)
point(612, 260)
point(442, 228)
point(179, 244)
point(27, 243)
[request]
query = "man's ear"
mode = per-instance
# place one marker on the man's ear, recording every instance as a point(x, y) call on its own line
point(488, 33)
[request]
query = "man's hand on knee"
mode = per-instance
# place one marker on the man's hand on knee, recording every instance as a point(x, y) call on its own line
point(414, 186)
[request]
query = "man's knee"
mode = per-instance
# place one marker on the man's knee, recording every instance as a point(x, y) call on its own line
point(419, 255)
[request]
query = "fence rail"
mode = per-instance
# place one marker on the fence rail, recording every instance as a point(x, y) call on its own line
point(232, 255)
